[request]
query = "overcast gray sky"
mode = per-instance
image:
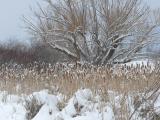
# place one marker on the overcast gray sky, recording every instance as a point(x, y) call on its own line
point(11, 12)
point(153, 3)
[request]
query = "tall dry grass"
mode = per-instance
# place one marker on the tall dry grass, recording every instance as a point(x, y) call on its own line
point(67, 78)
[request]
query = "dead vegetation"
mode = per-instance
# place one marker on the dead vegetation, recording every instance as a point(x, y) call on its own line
point(70, 77)
point(32, 107)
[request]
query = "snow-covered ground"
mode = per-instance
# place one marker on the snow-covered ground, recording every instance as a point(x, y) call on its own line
point(144, 62)
point(83, 105)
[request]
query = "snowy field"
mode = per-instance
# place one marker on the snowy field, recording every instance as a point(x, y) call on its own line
point(83, 105)
point(75, 91)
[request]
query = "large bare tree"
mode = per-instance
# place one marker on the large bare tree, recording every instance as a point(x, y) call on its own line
point(94, 31)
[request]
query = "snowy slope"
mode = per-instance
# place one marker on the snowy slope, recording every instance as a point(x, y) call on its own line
point(83, 105)
point(80, 107)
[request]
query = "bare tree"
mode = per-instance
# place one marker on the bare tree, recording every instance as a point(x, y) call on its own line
point(95, 31)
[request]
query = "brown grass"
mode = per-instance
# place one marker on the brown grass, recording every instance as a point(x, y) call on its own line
point(68, 78)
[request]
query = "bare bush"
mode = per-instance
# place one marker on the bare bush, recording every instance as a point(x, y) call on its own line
point(98, 32)
point(32, 106)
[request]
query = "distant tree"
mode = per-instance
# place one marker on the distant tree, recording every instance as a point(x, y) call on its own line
point(94, 31)
point(20, 52)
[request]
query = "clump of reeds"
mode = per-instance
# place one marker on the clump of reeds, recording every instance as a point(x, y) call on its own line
point(70, 77)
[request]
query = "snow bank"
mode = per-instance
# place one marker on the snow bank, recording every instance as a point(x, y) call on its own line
point(81, 106)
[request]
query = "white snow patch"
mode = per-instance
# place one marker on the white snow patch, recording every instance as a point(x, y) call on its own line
point(83, 105)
